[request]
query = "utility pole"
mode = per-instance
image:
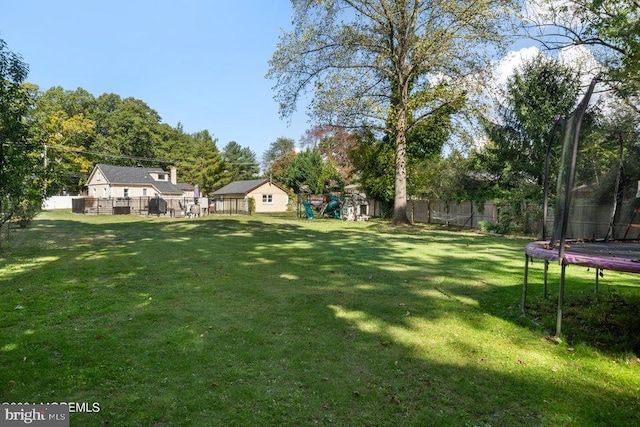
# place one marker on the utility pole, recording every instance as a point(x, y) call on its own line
point(46, 163)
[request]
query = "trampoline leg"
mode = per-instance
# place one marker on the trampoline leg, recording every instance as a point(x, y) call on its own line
point(545, 290)
point(524, 285)
point(560, 302)
point(595, 289)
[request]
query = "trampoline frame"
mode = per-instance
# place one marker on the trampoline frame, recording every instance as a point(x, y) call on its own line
point(578, 253)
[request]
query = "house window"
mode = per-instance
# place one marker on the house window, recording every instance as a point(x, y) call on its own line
point(162, 177)
point(126, 193)
point(144, 192)
point(267, 199)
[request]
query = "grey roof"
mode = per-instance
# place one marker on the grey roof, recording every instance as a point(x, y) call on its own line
point(135, 175)
point(185, 186)
point(240, 187)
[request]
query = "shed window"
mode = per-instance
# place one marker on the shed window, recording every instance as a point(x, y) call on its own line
point(267, 199)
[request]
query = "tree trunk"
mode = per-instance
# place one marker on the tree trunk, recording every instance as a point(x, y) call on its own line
point(400, 201)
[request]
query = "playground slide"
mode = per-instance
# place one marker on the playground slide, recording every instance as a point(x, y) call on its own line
point(307, 208)
point(333, 208)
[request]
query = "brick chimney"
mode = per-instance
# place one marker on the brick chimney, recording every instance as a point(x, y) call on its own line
point(174, 175)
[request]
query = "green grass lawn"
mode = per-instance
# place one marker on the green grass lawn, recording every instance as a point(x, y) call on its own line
point(278, 321)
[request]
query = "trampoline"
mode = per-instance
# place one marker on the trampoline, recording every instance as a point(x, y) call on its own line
point(622, 256)
point(606, 253)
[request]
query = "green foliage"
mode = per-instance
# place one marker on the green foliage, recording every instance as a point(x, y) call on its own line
point(203, 164)
point(251, 205)
point(438, 178)
point(27, 208)
point(615, 26)
point(372, 159)
point(21, 184)
point(60, 121)
point(540, 91)
point(80, 130)
point(279, 150)
point(608, 28)
point(488, 226)
point(241, 162)
point(128, 128)
point(309, 168)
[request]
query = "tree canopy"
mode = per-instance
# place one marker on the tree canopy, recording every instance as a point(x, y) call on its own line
point(608, 28)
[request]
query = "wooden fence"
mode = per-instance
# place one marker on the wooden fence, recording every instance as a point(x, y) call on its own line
point(587, 220)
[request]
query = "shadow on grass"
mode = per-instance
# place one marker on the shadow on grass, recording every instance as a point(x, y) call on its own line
point(239, 321)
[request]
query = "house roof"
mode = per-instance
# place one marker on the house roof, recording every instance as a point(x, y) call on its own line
point(243, 187)
point(135, 175)
point(184, 186)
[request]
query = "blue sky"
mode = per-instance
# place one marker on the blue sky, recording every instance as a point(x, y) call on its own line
point(198, 62)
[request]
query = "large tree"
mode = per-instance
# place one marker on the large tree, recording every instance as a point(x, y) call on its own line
point(278, 157)
point(278, 149)
point(61, 123)
point(20, 171)
point(383, 64)
point(127, 129)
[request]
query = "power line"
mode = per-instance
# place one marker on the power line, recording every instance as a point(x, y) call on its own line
point(118, 156)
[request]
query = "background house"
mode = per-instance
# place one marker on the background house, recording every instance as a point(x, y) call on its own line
point(107, 181)
point(233, 198)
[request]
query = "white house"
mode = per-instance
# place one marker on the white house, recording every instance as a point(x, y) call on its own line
point(107, 181)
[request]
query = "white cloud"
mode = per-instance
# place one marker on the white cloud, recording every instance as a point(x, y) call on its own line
point(510, 63)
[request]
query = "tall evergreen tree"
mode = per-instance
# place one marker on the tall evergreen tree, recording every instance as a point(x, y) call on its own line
point(241, 162)
point(536, 94)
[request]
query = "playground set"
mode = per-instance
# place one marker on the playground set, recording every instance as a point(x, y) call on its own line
point(349, 205)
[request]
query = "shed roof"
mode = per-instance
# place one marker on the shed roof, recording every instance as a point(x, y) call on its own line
point(243, 187)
